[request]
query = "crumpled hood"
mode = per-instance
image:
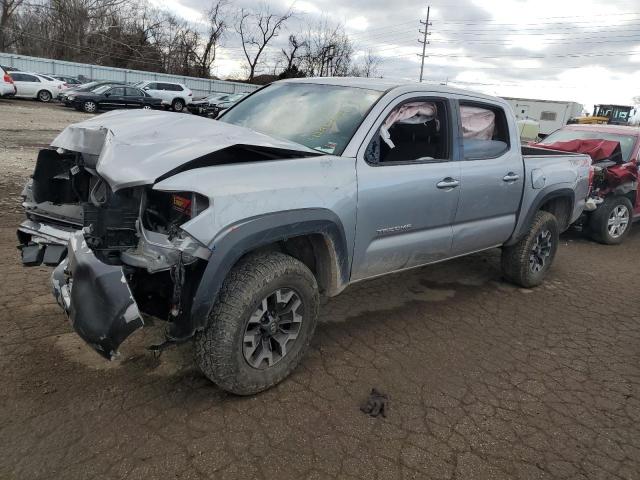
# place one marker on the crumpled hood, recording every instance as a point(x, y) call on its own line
point(137, 147)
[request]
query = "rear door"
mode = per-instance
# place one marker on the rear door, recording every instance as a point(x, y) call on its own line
point(492, 178)
point(408, 192)
point(134, 97)
point(161, 92)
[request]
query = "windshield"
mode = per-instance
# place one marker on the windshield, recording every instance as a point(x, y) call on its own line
point(234, 97)
point(626, 141)
point(215, 96)
point(101, 89)
point(322, 117)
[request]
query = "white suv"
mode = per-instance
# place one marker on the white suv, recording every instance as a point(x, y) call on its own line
point(174, 95)
point(33, 85)
point(7, 88)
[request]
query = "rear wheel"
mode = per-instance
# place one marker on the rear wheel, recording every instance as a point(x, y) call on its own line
point(526, 263)
point(44, 96)
point(261, 325)
point(611, 221)
point(177, 105)
point(90, 106)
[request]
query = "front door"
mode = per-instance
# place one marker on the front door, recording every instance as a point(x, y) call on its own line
point(407, 189)
point(116, 98)
point(492, 181)
point(26, 85)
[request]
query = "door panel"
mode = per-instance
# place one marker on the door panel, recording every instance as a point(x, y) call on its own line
point(490, 194)
point(404, 219)
point(133, 97)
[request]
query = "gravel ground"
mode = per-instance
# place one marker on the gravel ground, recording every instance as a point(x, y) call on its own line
point(486, 380)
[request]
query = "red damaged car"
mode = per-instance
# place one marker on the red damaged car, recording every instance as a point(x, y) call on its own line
point(613, 203)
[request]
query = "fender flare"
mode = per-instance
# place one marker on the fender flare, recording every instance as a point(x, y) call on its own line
point(548, 193)
point(247, 235)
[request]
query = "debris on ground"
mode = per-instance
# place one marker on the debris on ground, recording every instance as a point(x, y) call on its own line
point(376, 404)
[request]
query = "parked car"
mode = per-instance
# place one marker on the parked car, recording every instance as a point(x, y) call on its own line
point(614, 201)
point(7, 87)
point(33, 85)
point(231, 230)
point(108, 97)
point(226, 103)
point(85, 87)
point(205, 105)
point(70, 81)
point(174, 95)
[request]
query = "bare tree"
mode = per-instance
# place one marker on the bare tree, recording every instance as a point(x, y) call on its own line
point(8, 9)
point(291, 53)
point(367, 67)
point(216, 17)
point(328, 50)
point(256, 30)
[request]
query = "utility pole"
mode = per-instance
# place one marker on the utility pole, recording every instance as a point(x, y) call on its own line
point(424, 41)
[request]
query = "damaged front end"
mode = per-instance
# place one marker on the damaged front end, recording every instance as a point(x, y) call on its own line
point(134, 246)
point(96, 297)
point(130, 258)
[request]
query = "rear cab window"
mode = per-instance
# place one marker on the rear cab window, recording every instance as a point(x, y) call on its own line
point(485, 131)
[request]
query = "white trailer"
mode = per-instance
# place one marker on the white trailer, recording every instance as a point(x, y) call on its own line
point(550, 114)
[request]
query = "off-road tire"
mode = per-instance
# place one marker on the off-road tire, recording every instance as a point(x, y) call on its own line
point(44, 96)
point(598, 223)
point(178, 105)
point(516, 266)
point(219, 348)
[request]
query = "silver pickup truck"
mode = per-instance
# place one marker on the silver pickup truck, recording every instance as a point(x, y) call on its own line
point(230, 230)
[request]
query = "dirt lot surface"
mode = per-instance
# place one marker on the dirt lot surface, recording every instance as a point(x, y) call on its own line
point(486, 380)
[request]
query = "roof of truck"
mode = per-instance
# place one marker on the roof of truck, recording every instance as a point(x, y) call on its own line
point(384, 84)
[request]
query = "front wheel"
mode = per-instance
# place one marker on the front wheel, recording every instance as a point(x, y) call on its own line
point(261, 324)
point(177, 105)
point(526, 263)
point(611, 221)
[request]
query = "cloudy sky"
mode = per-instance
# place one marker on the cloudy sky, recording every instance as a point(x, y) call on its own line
point(580, 50)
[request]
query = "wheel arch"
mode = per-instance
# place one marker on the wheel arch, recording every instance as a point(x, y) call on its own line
point(559, 202)
point(314, 236)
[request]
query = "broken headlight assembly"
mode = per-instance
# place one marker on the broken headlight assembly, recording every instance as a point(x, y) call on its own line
point(165, 212)
point(162, 242)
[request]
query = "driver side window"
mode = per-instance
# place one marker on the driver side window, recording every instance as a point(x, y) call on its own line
point(414, 131)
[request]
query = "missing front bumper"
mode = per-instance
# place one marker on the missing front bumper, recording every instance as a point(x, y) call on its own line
point(96, 297)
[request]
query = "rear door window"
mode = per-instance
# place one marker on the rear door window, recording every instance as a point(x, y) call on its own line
point(485, 131)
point(133, 92)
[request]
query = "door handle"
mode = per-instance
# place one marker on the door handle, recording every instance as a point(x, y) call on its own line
point(511, 177)
point(447, 183)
